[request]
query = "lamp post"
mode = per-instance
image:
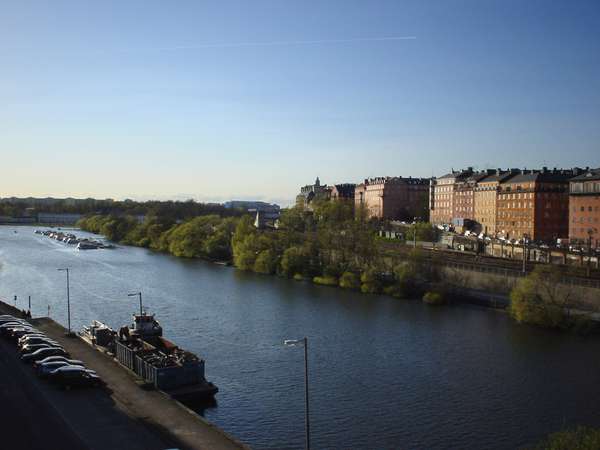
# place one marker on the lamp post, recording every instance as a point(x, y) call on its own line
point(524, 254)
point(139, 294)
point(66, 269)
point(304, 343)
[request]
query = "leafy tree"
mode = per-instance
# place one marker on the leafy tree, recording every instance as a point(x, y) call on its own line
point(266, 262)
point(540, 299)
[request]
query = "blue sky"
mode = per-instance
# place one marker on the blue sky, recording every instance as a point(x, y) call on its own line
point(251, 99)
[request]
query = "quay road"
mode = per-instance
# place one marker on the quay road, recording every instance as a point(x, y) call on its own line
point(37, 415)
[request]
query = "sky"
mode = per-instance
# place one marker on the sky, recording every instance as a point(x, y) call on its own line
point(219, 100)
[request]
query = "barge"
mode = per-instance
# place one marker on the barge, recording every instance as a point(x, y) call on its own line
point(162, 365)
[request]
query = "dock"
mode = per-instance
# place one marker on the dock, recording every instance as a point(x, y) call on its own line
point(120, 416)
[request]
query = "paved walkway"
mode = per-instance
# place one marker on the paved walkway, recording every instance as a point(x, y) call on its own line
point(123, 416)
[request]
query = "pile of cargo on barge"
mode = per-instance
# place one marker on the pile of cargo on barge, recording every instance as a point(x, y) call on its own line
point(158, 361)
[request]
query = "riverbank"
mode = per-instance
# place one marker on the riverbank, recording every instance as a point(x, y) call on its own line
point(123, 416)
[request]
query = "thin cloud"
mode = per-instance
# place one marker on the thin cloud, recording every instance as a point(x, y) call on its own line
point(272, 43)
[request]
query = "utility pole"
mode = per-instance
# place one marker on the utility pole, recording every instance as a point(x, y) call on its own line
point(30, 303)
point(138, 294)
point(68, 299)
point(524, 254)
point(304, 342)
point(589, 261)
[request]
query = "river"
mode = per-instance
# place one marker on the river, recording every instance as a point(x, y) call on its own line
point(384, 373)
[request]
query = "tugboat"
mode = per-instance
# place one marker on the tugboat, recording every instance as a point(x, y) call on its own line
point(142, 348)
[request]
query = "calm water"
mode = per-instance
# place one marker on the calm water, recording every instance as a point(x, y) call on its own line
point(384, 373)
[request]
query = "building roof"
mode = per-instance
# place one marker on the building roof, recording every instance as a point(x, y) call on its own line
point(345, 189)
point(396, 180)
point(589, 175)
point(463, 173)
point(544, 175)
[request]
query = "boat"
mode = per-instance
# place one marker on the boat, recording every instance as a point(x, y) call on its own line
point(86, 245)
point(162, 365)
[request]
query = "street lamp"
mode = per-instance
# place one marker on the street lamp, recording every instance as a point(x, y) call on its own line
point(304, 343)
point(68, 298)
point(525, 242)
point(139, 294)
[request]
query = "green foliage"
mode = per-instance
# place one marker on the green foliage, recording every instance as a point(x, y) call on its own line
point(371, 284)
point(424, 231)
point(266, 262)
point(326, 280)
point(206, 236)
point(434, 298)
point(580, 438)
point(295, 260)
point(350, 280)
point(539, 299)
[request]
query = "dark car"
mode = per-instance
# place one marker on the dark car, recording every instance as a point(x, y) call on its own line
point(17, 333)
point(58, 358)
point(45, 369)
point(34, 339)
point(30, 336)
point(43, 353)
point(74, 376)
point(34, 347)
point(6, 327)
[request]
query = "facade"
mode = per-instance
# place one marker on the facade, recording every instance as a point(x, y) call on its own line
point(463, 204)
point(343, 191)
point(441, 196)
point(485, 196)
point(584, 209)
point(535, 204)
point(393, 197)
point(312, 192)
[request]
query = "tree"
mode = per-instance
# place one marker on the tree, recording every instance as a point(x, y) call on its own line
point(540, 299)
point(266, 262)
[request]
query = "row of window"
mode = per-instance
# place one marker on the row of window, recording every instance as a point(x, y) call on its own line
point(582, 220)
point(589, 208)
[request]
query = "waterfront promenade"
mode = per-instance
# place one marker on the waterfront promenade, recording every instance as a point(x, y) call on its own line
point(121, 416)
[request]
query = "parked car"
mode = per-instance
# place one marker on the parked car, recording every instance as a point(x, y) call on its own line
point(73, 376)
point(8, 331)
point(43, 370)
point(58, 358)
point(43, 353)
point(17, 333)
point(34, 339)
point(6, 327)
point(33, 347)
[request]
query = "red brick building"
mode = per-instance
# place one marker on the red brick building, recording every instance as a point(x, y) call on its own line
point(441, 196)
point(393, 197)
point(535, 204)
point(584, 209)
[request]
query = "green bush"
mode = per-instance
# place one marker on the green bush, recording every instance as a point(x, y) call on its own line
point(434, 298)
point(266, 262)
point(350, 280)
point(539, 299)
point(580, 438)
point(326, 280)
point(370, 282)
point(397, 290)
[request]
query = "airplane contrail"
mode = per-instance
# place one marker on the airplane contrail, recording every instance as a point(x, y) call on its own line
point(273, 43)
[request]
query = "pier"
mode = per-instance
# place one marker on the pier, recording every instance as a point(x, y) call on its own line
point(120, 416)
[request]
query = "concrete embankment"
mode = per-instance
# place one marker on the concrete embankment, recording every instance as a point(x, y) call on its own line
point(121, 416)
